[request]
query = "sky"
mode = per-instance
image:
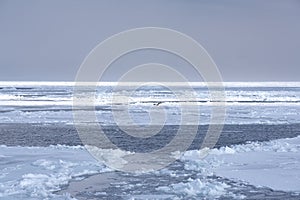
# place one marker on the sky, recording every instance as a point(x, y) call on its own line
point(248, 40)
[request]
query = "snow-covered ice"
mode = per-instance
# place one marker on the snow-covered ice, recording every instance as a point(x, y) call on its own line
point(246, 103)
point(194, 187)
point(274, 164)
point(38, 172)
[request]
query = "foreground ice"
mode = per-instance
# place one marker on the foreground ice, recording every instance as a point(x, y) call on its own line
point(196, 187)
point(39, 172)
point(274, 164)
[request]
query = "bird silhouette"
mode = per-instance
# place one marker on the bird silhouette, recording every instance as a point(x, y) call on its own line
point(158, 103)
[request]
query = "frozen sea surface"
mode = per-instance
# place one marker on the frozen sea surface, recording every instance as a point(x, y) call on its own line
point(255, 170)
point(246, 103)
point(256, 156)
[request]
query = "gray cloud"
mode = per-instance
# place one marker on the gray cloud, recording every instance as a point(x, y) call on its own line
point(249, 40)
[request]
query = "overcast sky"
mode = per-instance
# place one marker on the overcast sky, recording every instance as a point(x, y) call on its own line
point(249, 40)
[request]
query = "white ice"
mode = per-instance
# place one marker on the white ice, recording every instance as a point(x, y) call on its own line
point(274, 164)
point(52, 102)
point(195, 187)
point(37, 172)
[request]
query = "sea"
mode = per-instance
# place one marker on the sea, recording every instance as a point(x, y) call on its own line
point(45, 153)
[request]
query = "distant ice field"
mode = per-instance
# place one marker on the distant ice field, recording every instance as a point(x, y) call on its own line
point(256, 156)
point(246, 103)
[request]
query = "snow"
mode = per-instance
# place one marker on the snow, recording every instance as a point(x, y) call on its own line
point(194, 187)
point(47, 102)
point(274, 164)
point(37, 172)
point(112, 157)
